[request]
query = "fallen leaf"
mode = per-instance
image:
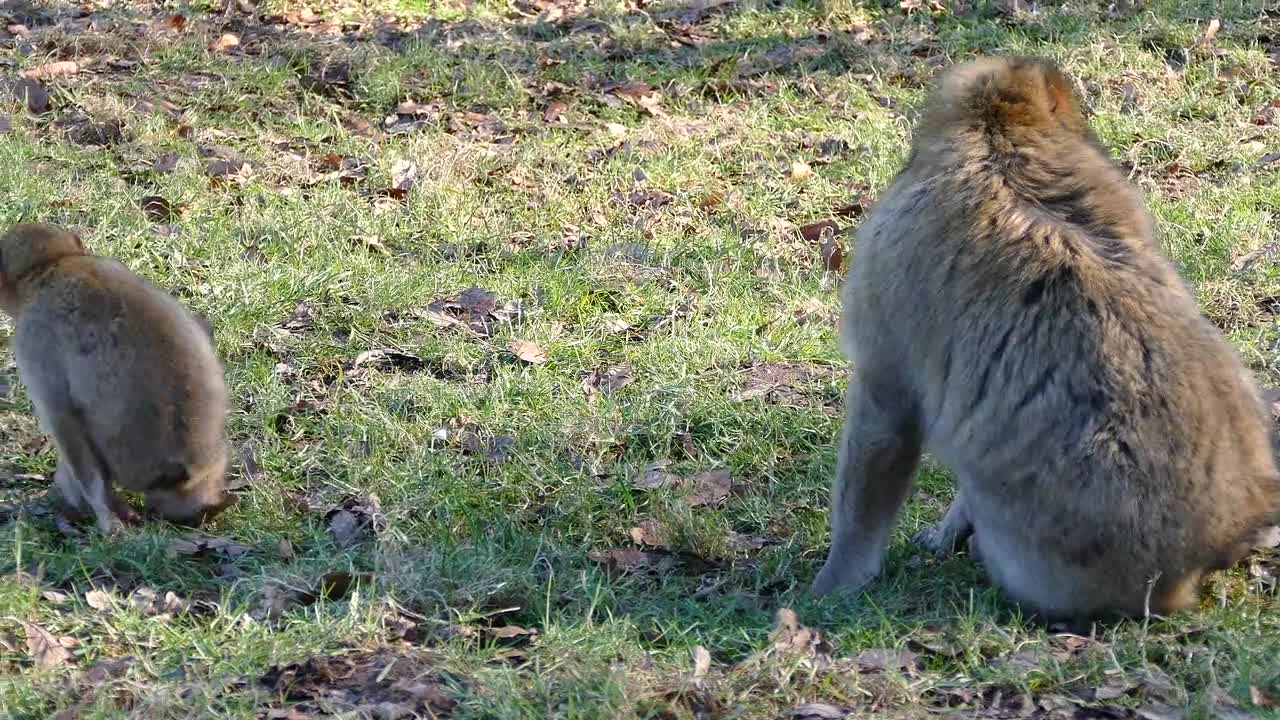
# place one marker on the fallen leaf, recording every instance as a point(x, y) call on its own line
point(648, 533)
point(388, 360)
point(709, 487)
point(225, 42)
point(791, 638)
point(99, 599)
point(172, 23)
point(197, 546)
point(528, 352)
point(701, 662)
point(814, 232)
point(628, 560)
point(158, 209)
point(800, 171)
point(554, 111)
point(1262, 698)
point(228, 168)
point(166, 163)
point(33, 93)
point(53, 69)
point(607, 381)
point(880, 660)
point(654, 476)
point(509, 632)
point(937, 643)
point(404, 175)
point(817, 711)
point(356, 520)
point(1210, 32)
point(46, 650)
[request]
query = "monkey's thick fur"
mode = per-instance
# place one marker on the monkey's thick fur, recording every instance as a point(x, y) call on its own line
point(1009, 311)
point(121, 375)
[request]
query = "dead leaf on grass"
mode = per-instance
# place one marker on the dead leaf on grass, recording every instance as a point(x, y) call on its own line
point(388, 360)
point(628, 560)
point(380, 683)
point(709, 488)
point(649, 533)
point(355, 520)
point(800, 171)
point(554, 112)
point(792, 639)
point(174, 23)
point(607, 381)
point(817, 711)
point(201, 546)
point(639, 94)
point(1263, 698)
point(45, 650)
point(882, 660)
point(655, 475)
point(646, 199)
point(225, 43)
point(528, 352)
point(33, 94)
point(158, 209)
point(165, 163)
point(62, 68)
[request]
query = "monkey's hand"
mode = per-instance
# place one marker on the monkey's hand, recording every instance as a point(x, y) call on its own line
point(944, 537)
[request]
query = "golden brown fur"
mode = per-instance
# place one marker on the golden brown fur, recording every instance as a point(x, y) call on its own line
point(1009, 311)
point(121, 375)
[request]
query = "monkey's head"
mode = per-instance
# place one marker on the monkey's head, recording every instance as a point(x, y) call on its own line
point(1023, 98)
point(30, 246)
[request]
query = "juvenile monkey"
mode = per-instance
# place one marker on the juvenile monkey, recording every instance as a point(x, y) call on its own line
point(121, 375)
point(1010, 312)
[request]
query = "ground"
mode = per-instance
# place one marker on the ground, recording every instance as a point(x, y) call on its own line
point(528, 312)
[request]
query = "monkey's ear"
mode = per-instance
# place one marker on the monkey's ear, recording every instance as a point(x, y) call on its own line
point(1058, 91)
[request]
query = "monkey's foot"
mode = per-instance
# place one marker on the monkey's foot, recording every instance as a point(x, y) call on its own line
point(940, 539)
point(845, 578)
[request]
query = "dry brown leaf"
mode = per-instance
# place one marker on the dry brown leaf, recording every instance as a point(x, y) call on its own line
point(880, 660)
point(528, 351)
point(45, 650)
point(655, 475)
point(54, 69)
point(225, 42)
point(99, 599)
point(1262, 698)
point(648, 533)
point(404, 175)
point(158, 209)
point(33, 93)
point(701, 661)
point(817, 711)
point(1210, 32)
point(554, 111)
point(709, 487)
point(814, 232)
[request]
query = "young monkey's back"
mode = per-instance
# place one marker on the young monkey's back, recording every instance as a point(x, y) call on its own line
point(1105, 439)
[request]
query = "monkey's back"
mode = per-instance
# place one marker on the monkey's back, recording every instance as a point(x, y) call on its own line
point(133, 363)
point(1062, 370)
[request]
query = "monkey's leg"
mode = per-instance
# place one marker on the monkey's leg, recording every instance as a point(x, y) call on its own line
point(87, 478)
point(879, 451)
point(73, 500)
point(944, 536)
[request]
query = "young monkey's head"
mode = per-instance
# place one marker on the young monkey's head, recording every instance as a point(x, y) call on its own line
point(29, 246)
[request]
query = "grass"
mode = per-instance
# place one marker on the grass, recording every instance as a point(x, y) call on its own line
point(649, 241)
